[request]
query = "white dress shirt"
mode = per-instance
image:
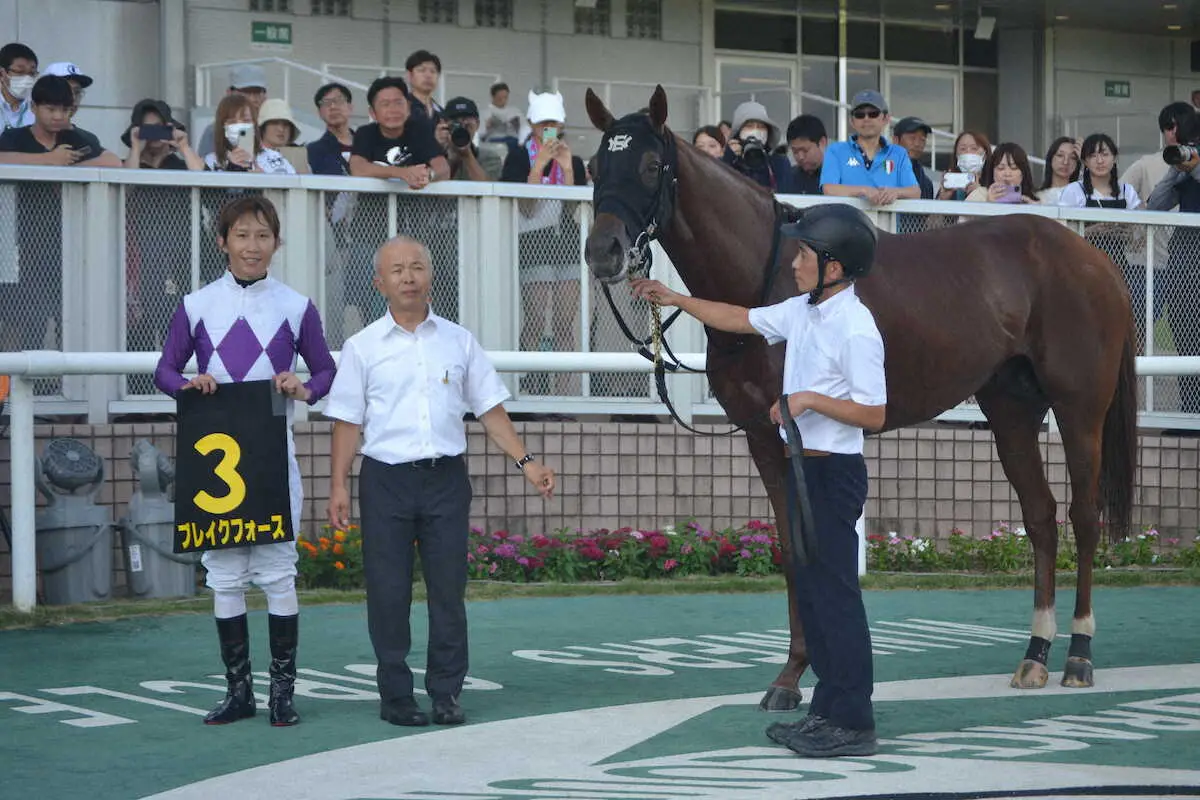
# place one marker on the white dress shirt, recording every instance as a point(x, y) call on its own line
point(834, 349)
point(410, 390)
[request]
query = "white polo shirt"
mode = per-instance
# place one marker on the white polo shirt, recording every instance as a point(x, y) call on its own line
point(834, 349)
point(410, 391)
point(21, 117)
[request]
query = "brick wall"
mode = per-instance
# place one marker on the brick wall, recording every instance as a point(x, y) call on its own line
point(923, 480)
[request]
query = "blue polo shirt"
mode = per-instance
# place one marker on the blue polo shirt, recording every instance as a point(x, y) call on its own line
point(847, 165)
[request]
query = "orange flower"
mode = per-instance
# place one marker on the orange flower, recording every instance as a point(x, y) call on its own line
point(351, 527)
point(338, 565)
point(324, 540)
point(338, 549)
point(339, 536)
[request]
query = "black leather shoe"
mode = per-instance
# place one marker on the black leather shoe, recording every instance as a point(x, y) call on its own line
point(831, 741)
point(780, 732)
point(447, 711)
point(403, 712)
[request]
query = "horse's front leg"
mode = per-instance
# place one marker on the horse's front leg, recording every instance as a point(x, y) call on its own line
point(767, 450)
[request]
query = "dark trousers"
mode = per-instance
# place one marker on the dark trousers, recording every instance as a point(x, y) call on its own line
point(403, 506)
point(828, 596)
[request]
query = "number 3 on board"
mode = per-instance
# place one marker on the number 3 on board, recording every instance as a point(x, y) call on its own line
point(226, 470)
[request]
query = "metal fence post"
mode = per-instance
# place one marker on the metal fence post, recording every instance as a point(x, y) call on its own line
point(24, 499)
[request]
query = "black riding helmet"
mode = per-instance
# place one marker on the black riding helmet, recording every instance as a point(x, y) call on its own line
point(839, 232)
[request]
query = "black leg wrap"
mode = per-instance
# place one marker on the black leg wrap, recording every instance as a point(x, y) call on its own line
point(1081, 646)
point(1039, 649)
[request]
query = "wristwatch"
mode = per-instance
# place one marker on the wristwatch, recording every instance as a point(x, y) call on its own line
point(523, 460)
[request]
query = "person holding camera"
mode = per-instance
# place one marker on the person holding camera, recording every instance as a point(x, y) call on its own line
point(749, 149)
point(869, 166)
point(157, 141)
point(1181, 187)
point(1006, 177)
point(467, 161)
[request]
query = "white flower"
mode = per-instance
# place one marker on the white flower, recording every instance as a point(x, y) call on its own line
point(1019, 531)
point(920, 545)
point(669, 530)
point(638, 535)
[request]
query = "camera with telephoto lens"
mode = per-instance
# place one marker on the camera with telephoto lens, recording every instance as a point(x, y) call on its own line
point(754, 153)
point(1187, 134)
point(459, 135)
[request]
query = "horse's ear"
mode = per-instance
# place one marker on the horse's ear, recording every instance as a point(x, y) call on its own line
point(658, 107)
point(600, 116)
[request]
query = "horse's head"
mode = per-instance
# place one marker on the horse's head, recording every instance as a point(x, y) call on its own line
point(634, 177)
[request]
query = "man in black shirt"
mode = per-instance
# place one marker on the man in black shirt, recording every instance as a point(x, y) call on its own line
point(388, 147)
point(807, 140)
point(912, 133)
point(51, 141)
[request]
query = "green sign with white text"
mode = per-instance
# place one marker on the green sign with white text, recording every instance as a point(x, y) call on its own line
point(1117, 90)
point(271, 35)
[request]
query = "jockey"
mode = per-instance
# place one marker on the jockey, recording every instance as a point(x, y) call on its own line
point(833, 379)
point(246, 326)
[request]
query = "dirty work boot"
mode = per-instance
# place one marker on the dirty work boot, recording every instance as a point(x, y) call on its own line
point(284, 632)
point(235, 652)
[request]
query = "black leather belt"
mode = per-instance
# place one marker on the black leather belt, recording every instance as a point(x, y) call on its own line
point(430, 463)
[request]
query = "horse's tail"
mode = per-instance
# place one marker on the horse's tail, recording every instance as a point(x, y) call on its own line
point(1119, 448)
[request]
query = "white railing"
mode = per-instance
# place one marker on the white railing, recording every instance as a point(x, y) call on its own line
point(110, 226)
point(458, 77)
point(26, 366)
point(204, 74)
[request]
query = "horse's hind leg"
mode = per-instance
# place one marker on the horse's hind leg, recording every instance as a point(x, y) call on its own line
point(1081, 436)
point(1015, 410)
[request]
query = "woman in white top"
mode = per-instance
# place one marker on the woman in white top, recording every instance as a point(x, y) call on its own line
point(1006, 177)
point(1062, 167)
point(1098, 186)
point(237, 144)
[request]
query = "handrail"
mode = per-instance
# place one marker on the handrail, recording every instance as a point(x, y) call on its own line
point(204, 80)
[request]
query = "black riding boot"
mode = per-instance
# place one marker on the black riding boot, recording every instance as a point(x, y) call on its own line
point(235, 652)
point(284, 632)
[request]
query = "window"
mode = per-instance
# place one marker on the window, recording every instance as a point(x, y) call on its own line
point(331, 8)
point(762, 33)
point(272, 6)
point(921, 45)
point(493, 13)
point(595, 20)
point(819, 37)
point(439, 12)
point(643, 19)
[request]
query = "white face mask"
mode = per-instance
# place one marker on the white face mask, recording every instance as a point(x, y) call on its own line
point(19, 86)
point(235, 130)
point(970, 162)
point(757, 134)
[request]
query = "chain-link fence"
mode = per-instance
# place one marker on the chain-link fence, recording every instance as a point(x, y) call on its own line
point(31, 274)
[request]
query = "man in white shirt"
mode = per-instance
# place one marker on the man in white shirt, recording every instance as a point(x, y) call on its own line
point(406, 381)
point(18, 73)
point(834, 382)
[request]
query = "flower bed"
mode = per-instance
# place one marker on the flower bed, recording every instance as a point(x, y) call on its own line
point(334, 559)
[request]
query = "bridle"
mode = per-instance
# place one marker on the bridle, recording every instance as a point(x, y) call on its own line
point(639, 258)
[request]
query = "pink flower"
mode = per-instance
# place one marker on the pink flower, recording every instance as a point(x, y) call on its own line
point(685, 549)
point(516, 538)
point(745, 554)
point(670, 564)
point(482, 549)
point(492, 568)
point(506, 550)
point(523, 561)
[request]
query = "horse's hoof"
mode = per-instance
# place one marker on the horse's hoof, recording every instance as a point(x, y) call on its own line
point(779, 699)
point(1078, 673)
point(1030, 675)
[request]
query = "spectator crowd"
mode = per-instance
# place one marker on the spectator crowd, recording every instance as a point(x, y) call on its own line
point(413, 139)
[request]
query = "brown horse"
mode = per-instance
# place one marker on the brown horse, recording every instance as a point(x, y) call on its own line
point(1016, 310)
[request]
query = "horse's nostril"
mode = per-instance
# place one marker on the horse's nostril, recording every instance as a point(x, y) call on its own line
point(614, 249)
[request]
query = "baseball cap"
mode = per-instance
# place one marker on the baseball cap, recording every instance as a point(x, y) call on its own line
point(911, 125)
point(247, 76)
point(460, 107)
point(869, 97)
point(65, 69)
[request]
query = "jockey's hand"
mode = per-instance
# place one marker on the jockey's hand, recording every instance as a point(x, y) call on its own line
point(654, 291)
point(287, 383)
point(207, 384)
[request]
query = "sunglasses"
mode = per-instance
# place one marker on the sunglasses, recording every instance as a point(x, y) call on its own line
point(873, 114)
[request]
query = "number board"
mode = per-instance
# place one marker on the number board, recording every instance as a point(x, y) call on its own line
point(231, 468)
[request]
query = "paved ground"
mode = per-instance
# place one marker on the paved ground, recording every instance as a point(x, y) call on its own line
point(615, 697)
